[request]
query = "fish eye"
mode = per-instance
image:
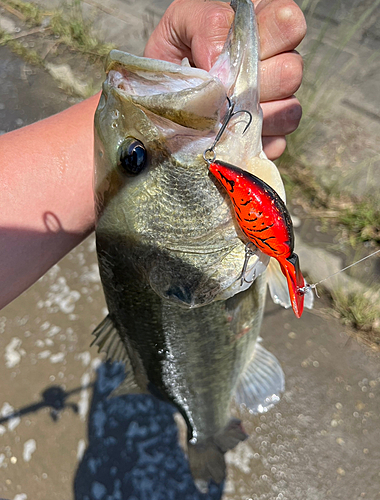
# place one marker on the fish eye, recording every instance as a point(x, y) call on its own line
point(132, 156)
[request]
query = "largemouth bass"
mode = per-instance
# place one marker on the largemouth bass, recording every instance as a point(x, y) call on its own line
point(169, 249)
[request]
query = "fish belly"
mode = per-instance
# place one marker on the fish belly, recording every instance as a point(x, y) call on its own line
point(191, 357)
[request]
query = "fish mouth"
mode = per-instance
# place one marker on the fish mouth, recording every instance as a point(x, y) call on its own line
point(187, 96)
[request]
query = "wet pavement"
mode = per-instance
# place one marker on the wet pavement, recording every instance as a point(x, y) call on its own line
point(62, 438)
point(21, 84)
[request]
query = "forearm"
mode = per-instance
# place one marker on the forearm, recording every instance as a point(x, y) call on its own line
point(46, 202)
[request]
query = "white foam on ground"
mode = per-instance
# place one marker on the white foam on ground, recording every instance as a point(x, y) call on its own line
point(85, 357)
point(5, 411)
point(44, 354)
point(60, 295)
point(57, 358)
point(13, 353)
point(81, 449)
point(90, 275)
point(29, 448)
point(84, 396)
point(13, 423)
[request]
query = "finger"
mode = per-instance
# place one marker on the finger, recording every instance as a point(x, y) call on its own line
point(281, 117)
point(274, 146)
point(191, 28)
point(198, 30)
point(282, 26)
point(280, 76)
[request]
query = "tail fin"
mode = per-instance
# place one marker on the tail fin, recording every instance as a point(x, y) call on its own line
point(291, 269)
point(206, 458)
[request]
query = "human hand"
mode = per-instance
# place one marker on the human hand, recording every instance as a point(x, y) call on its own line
point(197, 30)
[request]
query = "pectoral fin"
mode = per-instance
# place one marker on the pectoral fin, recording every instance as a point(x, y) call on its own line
point(278, 286)
point(261, 383)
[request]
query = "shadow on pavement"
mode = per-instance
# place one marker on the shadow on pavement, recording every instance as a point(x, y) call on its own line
point(133, 450)
point(54, 397)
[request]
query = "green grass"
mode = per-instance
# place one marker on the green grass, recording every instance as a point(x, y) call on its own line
point(76, 32)
point(67, 24)
point(31, 12)
point(361, 312)
point(29, 55)
point(70, 30)
point(363, 221)
point(4, 37)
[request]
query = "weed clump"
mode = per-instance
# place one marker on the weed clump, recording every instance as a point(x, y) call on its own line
point(361, 312)
point(76, 32)
point(30, 12)
point(67, 25)
point(363, 221)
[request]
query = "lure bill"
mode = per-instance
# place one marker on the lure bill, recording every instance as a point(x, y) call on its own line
point(265, 221)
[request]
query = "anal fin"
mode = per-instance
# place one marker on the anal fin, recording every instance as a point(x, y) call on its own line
point(261, 383)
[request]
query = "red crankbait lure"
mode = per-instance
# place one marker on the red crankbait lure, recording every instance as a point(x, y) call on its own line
point(265, 220)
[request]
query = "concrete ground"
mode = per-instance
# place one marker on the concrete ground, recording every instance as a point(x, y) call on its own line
point(61, 438)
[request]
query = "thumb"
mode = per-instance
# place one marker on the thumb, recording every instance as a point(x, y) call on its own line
point(191, 28)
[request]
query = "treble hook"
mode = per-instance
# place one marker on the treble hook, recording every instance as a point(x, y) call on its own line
point(248, 254)
point(229, 115)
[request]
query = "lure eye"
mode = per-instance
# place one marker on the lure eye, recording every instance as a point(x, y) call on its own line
point(132, 156)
